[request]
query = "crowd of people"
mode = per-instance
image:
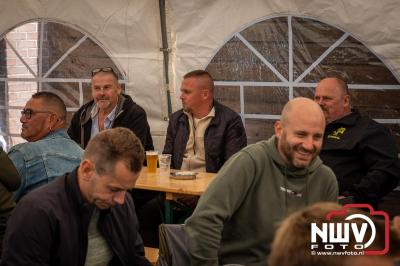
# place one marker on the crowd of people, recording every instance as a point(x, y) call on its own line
point(68, 196)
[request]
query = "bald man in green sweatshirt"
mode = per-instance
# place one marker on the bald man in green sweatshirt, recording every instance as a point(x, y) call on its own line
point(235, 219)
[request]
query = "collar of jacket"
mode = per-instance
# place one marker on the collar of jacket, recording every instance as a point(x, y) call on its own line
point(290, 171)
point(214, 121)
point(58, 133)
point(86, 114)
point(72, 189)
point(347, 120)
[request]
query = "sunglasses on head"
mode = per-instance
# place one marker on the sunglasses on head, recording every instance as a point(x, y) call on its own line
point(104, 69)
point(29, 112)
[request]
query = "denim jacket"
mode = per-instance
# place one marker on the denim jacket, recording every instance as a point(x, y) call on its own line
point(41, 161)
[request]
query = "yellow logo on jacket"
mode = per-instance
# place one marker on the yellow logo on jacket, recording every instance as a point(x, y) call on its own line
point(337, 134)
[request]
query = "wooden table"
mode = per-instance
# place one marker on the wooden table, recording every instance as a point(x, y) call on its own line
point(173, 188)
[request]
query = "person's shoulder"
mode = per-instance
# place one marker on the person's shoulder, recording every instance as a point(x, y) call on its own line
point(130, 105)
point(256, 150)
point(23, 148)
point(325, 172)
point(77, 116)
point(176, 115)
point(224, 110)
point(17, 147)
point(83, 107)
point(370, 126)
point(45, 197)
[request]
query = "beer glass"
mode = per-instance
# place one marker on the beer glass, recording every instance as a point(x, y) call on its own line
point(151, 158)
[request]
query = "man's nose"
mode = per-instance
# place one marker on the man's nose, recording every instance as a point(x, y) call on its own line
point(308, 144)
point(119, 197)
point(22, 119)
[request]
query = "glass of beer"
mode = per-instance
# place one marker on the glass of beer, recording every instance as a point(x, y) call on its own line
point(151, 158)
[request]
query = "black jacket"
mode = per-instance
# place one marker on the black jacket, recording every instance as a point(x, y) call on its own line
point(362, 154)
point(49, 226)
point(128, 114)
point(224, 136)
point(9, 181)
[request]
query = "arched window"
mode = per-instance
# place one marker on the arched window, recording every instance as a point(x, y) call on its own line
point(45, 56)
point(263, 66)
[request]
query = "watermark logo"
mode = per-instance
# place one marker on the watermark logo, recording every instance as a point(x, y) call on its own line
point(353, 236)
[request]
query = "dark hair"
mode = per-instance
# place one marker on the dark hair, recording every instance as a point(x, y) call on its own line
point(113, 145)
point(201, 73)
point(53, 100)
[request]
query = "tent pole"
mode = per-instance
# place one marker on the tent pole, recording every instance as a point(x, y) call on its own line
point(165, 51)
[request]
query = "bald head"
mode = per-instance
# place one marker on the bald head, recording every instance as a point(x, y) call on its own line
point(332, 94)
point(299, 132)
point(336, 83)
point(301, 107)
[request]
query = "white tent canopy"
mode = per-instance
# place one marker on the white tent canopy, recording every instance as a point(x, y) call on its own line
point(130, 31)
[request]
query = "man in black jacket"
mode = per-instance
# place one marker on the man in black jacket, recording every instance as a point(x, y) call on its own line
point(108, 109)
point(361, 152)
point(85, 217)
point(204, 134)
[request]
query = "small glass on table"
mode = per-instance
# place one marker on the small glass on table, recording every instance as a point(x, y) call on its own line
point(164, 162)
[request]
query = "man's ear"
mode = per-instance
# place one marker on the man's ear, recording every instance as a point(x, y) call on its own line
point(278, 129)
point(119, 88)
point(53, 121)
point(205, 93)
point(87, 168)
point(347, 100)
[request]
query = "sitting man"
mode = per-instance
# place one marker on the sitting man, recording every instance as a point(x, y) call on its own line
point(361, 152)
point(49, 151)
point(108, 109)
point(85, 217)
point(235, 218)
point(9, 181)
point(204, 134)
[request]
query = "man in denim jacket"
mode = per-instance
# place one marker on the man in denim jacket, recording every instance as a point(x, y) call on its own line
point(49, 152)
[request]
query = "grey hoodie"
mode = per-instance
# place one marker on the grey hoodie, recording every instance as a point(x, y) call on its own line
point(235, 219)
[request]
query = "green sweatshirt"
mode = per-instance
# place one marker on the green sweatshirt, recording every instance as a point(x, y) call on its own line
point(235, 219)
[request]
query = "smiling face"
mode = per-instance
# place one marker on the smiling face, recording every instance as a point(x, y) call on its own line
point(298, 146)
point(105, 91)
point(106, 190)
point(38, 125)
point(300, 134)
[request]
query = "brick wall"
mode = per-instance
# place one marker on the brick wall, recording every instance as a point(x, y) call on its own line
point(25, 41)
